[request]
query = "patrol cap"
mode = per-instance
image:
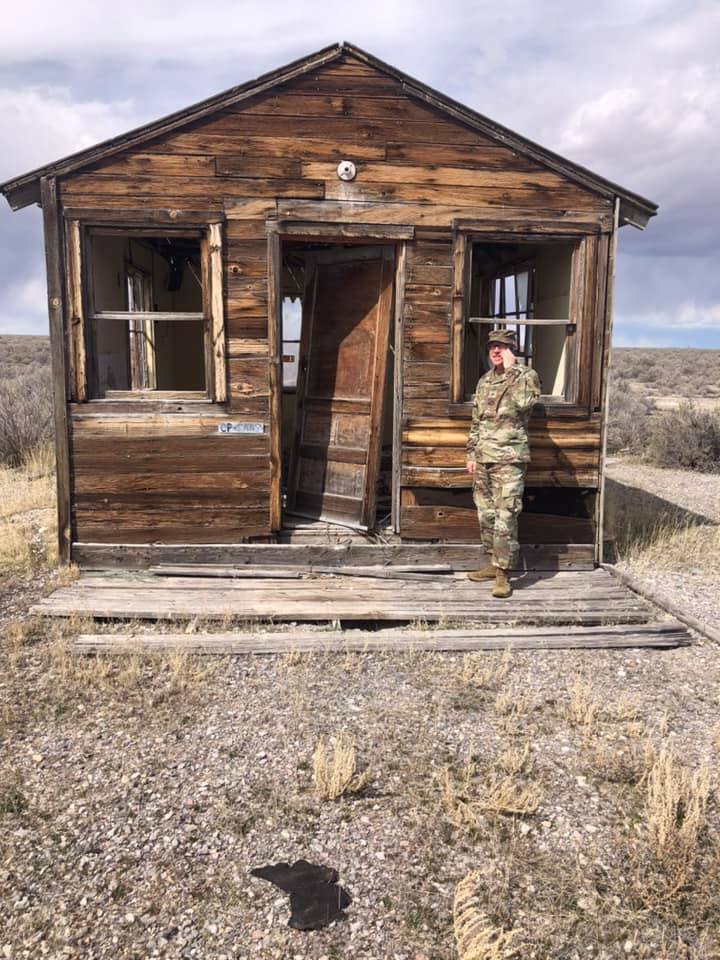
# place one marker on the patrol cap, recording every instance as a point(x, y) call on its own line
point(504, 337)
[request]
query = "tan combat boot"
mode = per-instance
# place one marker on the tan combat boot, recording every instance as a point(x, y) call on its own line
point(502, 584)
point(484, 573)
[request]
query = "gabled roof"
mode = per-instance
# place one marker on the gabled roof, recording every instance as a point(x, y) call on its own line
point(25, 189)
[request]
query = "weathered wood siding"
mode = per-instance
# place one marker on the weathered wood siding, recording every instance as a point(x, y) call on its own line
point(165, 478)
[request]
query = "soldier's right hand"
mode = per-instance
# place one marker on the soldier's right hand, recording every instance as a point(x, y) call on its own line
point(471, 466)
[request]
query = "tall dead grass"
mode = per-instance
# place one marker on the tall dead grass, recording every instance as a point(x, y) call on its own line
point(673, 544)
point(27, 514)
point(25, 416)
point(476, 937)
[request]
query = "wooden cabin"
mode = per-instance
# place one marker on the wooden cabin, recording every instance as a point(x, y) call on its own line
point(276, 304)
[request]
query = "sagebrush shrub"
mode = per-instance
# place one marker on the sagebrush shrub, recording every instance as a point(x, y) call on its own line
point(26, 416)
point(688, 438)
point(628, 419)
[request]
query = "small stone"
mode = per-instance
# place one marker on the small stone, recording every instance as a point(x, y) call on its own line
point(628, 946)
point(257, 935)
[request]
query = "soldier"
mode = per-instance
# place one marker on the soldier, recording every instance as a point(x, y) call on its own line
point(498, 454)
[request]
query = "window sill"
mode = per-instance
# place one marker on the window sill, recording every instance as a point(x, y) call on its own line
point(130, 403)
point(194, 396)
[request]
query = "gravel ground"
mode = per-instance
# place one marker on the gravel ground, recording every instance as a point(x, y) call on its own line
point(137, 793)
point(695, 583)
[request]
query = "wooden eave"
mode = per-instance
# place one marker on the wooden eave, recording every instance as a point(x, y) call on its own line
point(634, 209)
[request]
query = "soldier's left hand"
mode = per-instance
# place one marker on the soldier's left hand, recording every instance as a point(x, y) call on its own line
point(508, 358)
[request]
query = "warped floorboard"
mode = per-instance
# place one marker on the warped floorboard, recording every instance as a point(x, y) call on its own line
point(585, 598)
point(662, 634)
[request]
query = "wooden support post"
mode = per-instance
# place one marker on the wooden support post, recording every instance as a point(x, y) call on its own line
point(605, 393)
point(275, 351)
point(460, 266)
point(56, 314)
point(78, 380)
point(217, 316)
point(400, 272)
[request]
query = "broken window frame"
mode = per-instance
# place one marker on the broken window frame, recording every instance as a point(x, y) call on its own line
point(82, 314)
point(576, 323)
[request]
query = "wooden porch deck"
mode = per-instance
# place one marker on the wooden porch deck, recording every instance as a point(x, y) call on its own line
point(560, 608)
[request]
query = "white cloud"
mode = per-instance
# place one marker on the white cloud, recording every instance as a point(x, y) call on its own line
point(46, 123)
point(250, 29)
point(631, 90)
point(688, 315)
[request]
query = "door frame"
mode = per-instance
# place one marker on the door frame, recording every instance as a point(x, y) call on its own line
point(340, 233)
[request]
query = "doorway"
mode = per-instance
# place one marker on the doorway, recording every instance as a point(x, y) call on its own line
point(337, 332)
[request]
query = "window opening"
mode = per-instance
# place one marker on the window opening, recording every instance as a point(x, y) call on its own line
point(147, 322)
point(526, 287)
point(291, 327)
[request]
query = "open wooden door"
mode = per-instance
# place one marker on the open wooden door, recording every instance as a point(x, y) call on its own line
point(343, 357)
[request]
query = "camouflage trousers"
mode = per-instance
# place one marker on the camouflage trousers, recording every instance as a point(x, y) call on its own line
point(498, 495)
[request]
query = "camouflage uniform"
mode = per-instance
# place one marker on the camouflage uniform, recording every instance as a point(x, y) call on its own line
point(498, 443)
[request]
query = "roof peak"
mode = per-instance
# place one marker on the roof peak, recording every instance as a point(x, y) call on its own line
point(25, 189)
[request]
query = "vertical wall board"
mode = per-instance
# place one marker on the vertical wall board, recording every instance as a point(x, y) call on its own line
point(461, 266)
point(598, 346)
point(274, 271)
point(400, 274)
point(217, 314)
point(56, 314)
point(609, 309)
point(76, 311)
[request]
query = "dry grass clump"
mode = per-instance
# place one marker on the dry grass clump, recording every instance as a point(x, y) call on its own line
point(27, 520)
point(623, 710)
point(583, 709)
point(335, 772)
point(675, 809)
point(675, 868)
point(466, 799)
point(476, 937)
point(16, 556)
point(514, 760)
point(621, 759)
point(484, 670)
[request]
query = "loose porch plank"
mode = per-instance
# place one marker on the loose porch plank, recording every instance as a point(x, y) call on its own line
point(659, 635)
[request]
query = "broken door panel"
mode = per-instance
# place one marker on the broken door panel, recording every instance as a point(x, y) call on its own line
point(348, 301)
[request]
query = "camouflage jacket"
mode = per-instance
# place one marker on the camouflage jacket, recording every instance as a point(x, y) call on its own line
point(501, 410)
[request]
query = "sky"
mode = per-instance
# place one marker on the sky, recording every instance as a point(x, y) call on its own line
point(628, 88)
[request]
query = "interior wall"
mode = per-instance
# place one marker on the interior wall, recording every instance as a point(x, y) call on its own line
point(553, 271)
point(109, 257)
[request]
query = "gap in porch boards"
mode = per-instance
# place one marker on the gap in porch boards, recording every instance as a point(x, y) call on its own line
point(332, 485)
